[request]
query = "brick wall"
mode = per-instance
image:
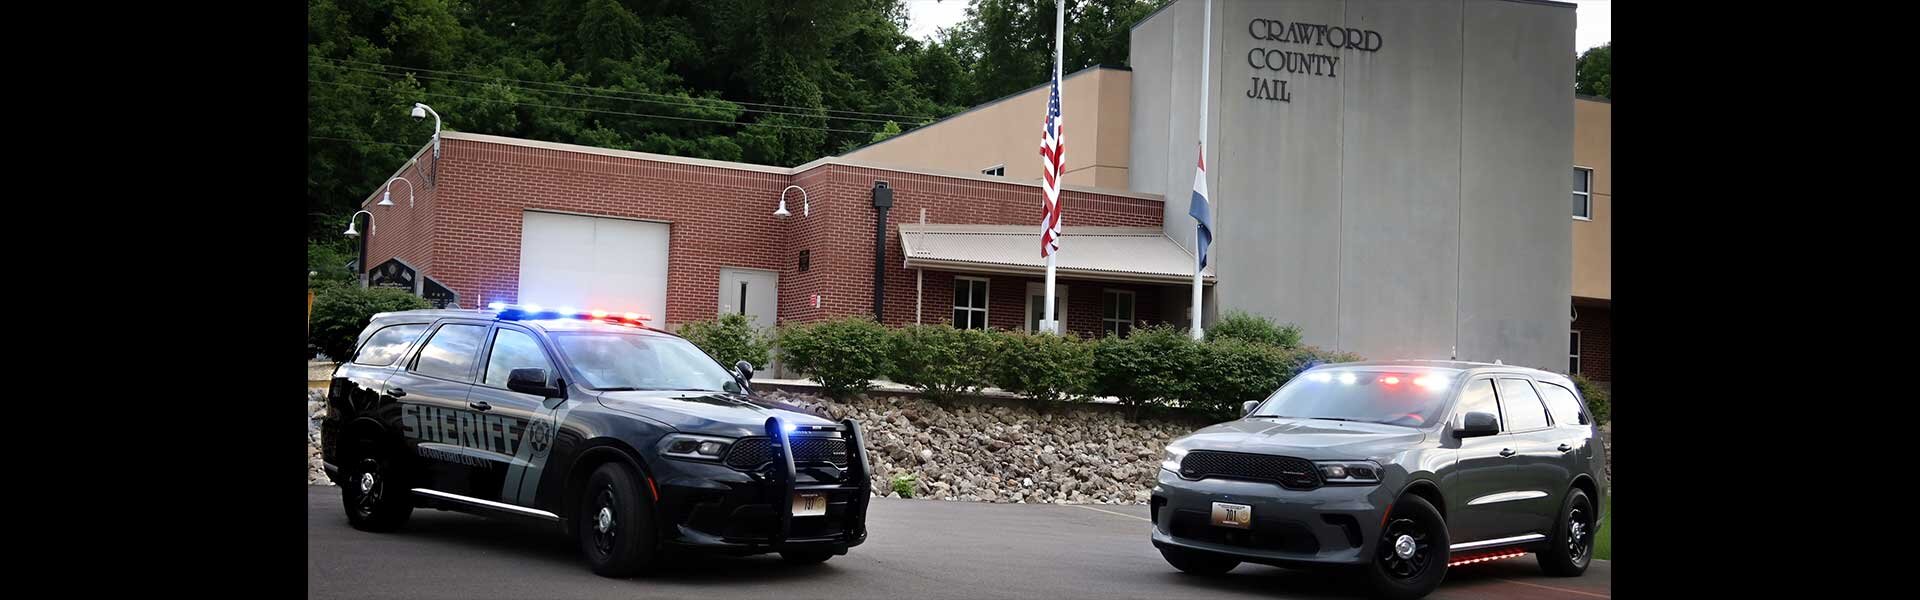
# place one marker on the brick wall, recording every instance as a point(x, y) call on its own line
point(402, 230)
point(465, 230)
point(1595, 325)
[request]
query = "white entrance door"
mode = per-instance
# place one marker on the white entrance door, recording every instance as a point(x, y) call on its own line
point(589, 263)
point(750, 292)
point(1037, 305)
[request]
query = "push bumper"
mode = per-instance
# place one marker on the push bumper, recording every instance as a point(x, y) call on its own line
point(717, 508)
point(1331, 525)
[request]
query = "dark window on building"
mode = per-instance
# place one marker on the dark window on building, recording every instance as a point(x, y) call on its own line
point(513, 349)
point(996, 170)
point(1573, 353)
point(387, 344)
point(1563, 404)
point(1582, 193)
point(451, 352)
point(1478, 397)
point(969, 303)
point(1523, 409)
point(1117, 312)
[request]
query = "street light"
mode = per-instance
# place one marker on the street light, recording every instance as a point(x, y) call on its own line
point(386, 195)
point(370, 227)
point(805, 206)
point(420, 111)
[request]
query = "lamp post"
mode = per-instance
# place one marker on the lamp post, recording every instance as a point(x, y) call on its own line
point(386, 195)
point(420, 111)
point(362, 275)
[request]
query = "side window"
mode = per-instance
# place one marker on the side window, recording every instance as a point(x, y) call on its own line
point(387, 344)
point(1564, 405)
point(451, 352)
point(1524, 411)
point(513, 349)
point(1478, 397)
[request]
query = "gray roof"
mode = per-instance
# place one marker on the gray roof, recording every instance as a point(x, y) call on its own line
point(1134, 254)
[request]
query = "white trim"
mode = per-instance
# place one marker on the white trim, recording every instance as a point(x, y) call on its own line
point(1575, 346)
point(487, 503)
point(1588, 194)
point(594, 215)
point(1035, 288)
point(1507, 497)
point(1518, 539)
point(1133, 308)
point(986, 314)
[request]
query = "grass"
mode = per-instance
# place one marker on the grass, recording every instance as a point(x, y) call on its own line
point(1603, 541)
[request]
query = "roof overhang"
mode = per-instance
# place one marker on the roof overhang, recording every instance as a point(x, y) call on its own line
point(1122, 254)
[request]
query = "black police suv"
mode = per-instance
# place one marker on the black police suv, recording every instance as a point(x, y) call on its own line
point(1396, 469)
point(629, 438)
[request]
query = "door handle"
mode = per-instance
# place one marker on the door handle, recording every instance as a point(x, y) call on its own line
point(1565, 447)
point(482, 405)
point(397, 393)
point(1506, 452)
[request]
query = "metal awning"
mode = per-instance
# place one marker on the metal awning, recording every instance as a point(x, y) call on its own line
point(1135, 254)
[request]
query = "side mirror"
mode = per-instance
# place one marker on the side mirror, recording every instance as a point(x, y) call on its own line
point(745, 368)
point(1478, 424)
point(1246, 408)
point(532, 381)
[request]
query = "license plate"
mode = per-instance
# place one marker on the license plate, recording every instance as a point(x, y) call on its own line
point(1237, 516)
point(809, 505)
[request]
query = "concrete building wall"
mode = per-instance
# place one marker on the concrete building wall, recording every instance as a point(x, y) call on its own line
point(1593, 239)
point(1007, 132)
point(1408, 201)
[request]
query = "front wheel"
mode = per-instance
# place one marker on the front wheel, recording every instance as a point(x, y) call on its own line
point(1198, 563)
point(1412, 555)
point(615, 523)
point(1572, 547)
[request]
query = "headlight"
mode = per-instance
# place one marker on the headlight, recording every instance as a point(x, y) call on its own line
point(1171, 461)
point(696, 447)
point(1348, 471)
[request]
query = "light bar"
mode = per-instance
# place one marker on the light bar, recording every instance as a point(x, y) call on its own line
point(518, 312)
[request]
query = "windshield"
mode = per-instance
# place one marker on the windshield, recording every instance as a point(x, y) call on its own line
point(1406, 397)
point(630, 361)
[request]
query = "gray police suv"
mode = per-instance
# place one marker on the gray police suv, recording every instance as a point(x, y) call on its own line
point(1400, 468)
point(628, 438)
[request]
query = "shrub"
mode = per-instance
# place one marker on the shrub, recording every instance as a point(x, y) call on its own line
point(1042, 366)
point(942, 361)
point(1599, 402)
point(844, 355)
point(1306, 357)
point(730, 339)
point(1247, 326)
point(903, 484)
point(328, 261)
point(1234, 370)
point(342, 310)
point(1150, 367)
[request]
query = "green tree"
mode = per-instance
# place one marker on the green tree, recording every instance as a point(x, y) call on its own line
point(1593, 73)
point(1008, 45)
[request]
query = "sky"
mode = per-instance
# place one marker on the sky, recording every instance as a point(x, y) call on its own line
point(1594, 18)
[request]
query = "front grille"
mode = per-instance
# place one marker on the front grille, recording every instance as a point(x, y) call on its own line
point(1291, 473)
point(750, 453)
point(1266, 534)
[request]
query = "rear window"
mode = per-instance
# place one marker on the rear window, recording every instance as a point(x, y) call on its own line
point(1564, 405)
point(387, 344)
point(1522, 405)
point(1406, 397)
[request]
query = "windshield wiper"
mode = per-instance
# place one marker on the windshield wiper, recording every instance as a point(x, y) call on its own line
point(1337, 419)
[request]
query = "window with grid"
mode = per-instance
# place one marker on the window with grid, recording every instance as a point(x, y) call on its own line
point(996, 170)
point(969, 303)
point(1582, 193)
point(1116, 317)
point(1573, 353)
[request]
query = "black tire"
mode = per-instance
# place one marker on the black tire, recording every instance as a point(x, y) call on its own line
point(375, 499)
point(626, 546)
point(806, 557)
point(1198, 563)
point(1403, 577)
point(1572, 547)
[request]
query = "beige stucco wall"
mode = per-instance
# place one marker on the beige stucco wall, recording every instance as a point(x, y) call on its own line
point(1593, 240)
point(1096, 112)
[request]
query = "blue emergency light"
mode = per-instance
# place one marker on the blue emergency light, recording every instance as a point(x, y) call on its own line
point(525, 312)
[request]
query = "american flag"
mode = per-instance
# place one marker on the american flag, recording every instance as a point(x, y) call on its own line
point(1053, 151)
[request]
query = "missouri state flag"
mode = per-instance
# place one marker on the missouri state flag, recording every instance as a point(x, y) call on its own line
point(1199, 209)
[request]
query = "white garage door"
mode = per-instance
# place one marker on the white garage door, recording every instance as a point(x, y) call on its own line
point(594, 263)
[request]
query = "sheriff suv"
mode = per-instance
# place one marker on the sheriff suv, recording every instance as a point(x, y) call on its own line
point(1398, 470)
point(631, 439)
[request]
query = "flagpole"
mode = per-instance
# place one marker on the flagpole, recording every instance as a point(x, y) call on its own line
point(1206, 51)
point(1059, 52)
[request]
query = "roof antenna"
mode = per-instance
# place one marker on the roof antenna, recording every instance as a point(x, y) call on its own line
point(1497, 362)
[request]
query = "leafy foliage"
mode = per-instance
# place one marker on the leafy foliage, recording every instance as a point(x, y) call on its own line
point(731, 339)
point(843, 355)
point(1242, 325)
point(1599, 402)
point(940, 360)
point(1593, 74)
point(1042, 366)
point(1153, 365)
point(342, 310)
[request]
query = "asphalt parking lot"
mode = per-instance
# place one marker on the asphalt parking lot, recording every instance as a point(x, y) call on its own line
point(915, 550)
